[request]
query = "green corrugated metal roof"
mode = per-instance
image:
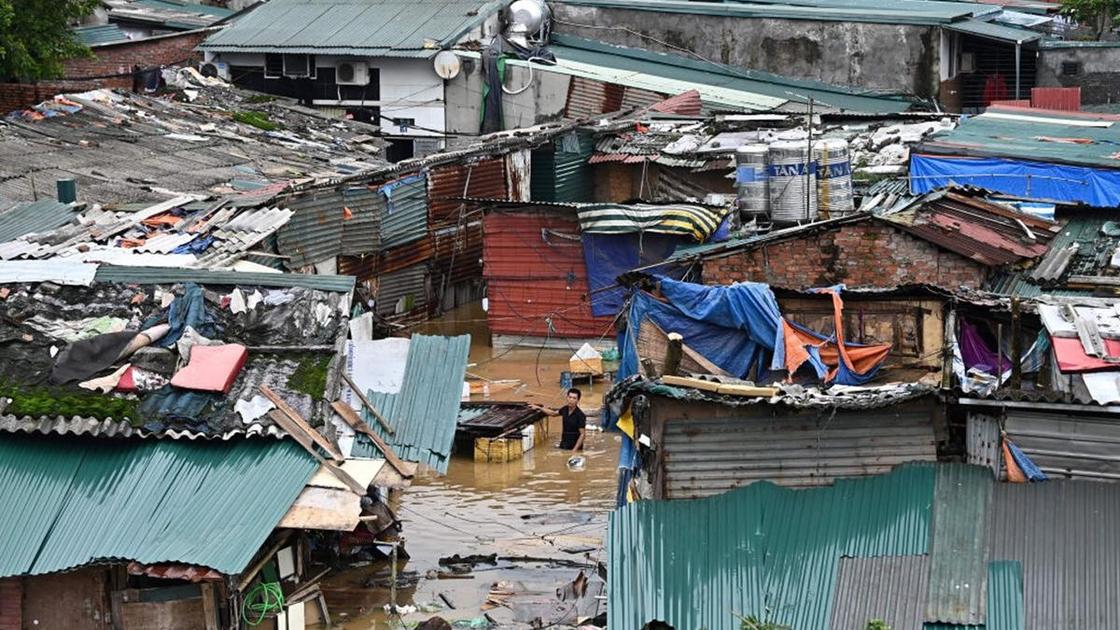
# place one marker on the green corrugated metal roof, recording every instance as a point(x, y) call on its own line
point(999, 32)
point(1084, 229)
point(34, 217)
point(424, 413)
point(192, 7)
point(958, 589)
point(695, 564)
point(914, 12)
point(99, 34)
point(1022, 134)
point(170, 275)
point(1006, 610)
point(354, 27)
point(73, 501)
point(674, 69)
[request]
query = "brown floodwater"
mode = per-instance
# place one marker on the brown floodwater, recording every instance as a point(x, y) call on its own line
point(535, 507)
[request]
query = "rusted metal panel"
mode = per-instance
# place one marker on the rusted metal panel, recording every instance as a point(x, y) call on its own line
point(588, 98)
point(484, 179)
point(407, 255)
point(536, 277)
point(457, 254)
point(1065, 99)
point(491, 419)
point(361, 232)
point(361, 267)
point(518, 174)
point(637, 98)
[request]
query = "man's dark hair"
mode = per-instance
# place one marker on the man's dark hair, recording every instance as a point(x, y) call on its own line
point(575, 390)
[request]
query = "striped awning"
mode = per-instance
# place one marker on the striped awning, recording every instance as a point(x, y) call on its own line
point(697, 222)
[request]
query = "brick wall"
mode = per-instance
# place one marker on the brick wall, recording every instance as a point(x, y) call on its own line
point(11, 604)
point(867, 254)
point(110, 67)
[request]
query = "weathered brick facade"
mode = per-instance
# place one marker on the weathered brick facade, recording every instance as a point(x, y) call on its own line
point(110, 67)
point(866, 254)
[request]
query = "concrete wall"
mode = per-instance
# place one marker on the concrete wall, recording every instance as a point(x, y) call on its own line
point(409, 88)
point(866, 254)
point(1098, 76)
point(542, 102)
point(880, 56)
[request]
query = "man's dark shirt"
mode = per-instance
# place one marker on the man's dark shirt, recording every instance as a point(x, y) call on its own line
point(574, 422)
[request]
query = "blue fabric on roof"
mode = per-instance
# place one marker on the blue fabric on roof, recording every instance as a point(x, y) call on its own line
point(610, 255)
point(1021, 178)
point(1032, 471)
point(188, 309)
point(737, 327)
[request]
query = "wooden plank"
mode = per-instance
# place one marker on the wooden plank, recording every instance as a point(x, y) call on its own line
point(255, 568)
point(747, 390)
point(210, 606)
point(294, 416)
point(304, 440)
point(325, 509)
point(351, 418)
point(365, 401)
point(686, 381)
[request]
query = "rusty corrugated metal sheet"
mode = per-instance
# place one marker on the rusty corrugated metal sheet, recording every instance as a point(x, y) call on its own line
point(484, 179)
point(534, 267)
point(975, 228)
point(1064, 99)
point(588, 98)
point(361, 267)
point(407, 255)
point(637, 98)
point(457, 252)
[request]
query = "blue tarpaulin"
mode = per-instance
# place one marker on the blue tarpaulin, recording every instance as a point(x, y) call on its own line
point(610, 255)
point(737, 327)
point(1098, 187)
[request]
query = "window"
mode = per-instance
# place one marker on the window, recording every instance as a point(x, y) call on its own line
point(273, 66)
point(1071, 68)
point(403, 124)
point(299, 66)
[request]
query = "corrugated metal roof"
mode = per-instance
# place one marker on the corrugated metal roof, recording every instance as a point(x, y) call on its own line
point(171, 275)
point(589, 97)
point(958, 573)
point(98, 34)
point(361, 233)
point(70, 501)
point(314, 233)
point(1026, 134)
point(917, 12)
point(353, 27)
point(560, 171)
point(760, 550)
point(536, 276)
point(405, 216)
point(1066, 445)
point(425, 411)
point(890, 588)
point(123, 428)
point(707, 455)
point(998, 32)
point(1065, 535)
point(34, 217)
point(60, 271)
point(1080, 247)
point(969, 225)
point(719, 85)
point(1005, 610)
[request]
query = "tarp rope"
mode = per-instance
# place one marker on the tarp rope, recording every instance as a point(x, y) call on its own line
point(262, 600)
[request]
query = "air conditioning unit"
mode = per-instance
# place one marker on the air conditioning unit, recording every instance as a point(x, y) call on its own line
point(351, 73)
point(215, 69)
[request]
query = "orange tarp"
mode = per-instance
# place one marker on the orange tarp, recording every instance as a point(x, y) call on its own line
point(859, 359)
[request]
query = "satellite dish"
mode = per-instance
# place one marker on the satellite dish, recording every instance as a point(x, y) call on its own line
point(447, 64)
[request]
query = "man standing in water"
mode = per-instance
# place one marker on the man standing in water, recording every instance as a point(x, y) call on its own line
point(575, 422)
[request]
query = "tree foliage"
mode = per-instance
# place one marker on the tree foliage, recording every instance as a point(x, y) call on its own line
point(35, 37)
point(1095, 14)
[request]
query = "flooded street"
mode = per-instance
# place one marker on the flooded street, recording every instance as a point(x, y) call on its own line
point(534, 509)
